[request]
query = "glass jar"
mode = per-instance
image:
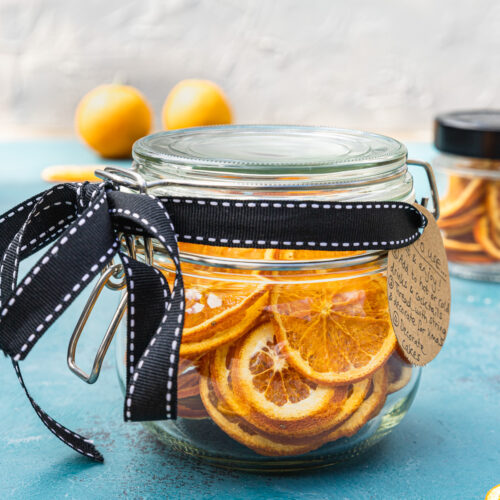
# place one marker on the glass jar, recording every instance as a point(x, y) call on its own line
point(288, 357)
point(469, 145)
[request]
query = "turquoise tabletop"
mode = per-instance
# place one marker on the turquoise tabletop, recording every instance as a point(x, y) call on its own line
point(447, 447)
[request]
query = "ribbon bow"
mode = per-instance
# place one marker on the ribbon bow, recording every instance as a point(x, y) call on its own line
point(83, 222)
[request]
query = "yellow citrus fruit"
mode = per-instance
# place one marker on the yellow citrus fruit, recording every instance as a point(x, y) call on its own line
point(494, 493)
point(195, 103)
point(110, 118)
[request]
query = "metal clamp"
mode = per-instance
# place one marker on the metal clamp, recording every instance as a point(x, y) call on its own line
point(110, 332)
point(128, 178)
point(432, 184)
point(120, 176)
point(119, 274)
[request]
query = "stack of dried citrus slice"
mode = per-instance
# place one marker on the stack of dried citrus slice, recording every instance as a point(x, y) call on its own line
point(470, 219)
point(218, 312)
point(285, 367)
point(189, 404)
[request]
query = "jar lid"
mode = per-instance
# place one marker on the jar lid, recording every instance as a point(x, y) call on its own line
point(256, 150)
point(473, 133)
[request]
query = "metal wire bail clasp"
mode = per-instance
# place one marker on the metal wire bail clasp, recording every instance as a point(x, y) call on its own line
point(130, 179)
point(432, 185)
point(110, 332)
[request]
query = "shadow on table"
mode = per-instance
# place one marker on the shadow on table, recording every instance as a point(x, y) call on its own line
point(419, 443)
point(148, 468)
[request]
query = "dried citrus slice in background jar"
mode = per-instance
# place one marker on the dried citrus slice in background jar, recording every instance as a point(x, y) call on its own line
point(469, 159)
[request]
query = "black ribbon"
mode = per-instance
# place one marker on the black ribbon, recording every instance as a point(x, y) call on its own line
point(83, 222)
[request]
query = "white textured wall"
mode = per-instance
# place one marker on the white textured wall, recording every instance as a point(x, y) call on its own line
point(370, 64)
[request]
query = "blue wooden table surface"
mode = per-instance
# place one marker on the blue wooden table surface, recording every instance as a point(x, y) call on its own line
point(447, 447)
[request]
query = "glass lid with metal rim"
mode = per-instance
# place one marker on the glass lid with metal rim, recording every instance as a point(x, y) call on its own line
point(270, 152)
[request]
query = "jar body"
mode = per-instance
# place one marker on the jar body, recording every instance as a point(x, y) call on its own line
point(470, 215)
point(285, 369)
point(288, 357)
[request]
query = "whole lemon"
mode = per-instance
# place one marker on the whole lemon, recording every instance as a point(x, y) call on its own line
point(110, 118)
point(195, 103)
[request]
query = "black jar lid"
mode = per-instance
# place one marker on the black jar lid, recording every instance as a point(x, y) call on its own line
point(473, 133)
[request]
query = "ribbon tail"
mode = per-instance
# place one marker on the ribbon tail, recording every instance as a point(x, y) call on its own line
point(76, 441)
point(29, 308)
point(149, 351)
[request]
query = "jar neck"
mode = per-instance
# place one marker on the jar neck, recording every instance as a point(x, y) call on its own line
point(389, 181)
point(272, 263)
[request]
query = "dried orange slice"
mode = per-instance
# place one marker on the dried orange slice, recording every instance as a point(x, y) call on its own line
point(493, 201)
point(482, 235)
point(370, 407)
point(464, 219)
point(297, 430)
point(228, 252)
point(367, 299)
point(459, 231)
point(235, 329)
point(469, 196)
point(215, 305)
point(279, 399)
point(263, 377)
point(399, 373)
point(70, 173)
point(329, 338)
point(469, 257)
point(493, 204)
point(358, 397)
point(192, 408)
point(285, 254)
point(219, 362)
point(455, 186)
point(238, 429)
point(461, 246)
point(189, 404)
point(188, 380)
